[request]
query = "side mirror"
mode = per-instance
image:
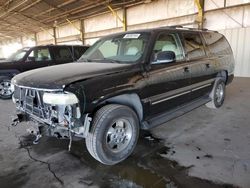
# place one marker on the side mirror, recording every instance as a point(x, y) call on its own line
point(30, 59)
point(165, 57)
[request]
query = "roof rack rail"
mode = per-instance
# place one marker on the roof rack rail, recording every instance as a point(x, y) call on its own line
point(175, 26)
point(180, 26)
point(188, 28)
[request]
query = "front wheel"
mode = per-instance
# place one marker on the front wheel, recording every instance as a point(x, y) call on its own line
point(114, 134)
point(5, 88)
point(217, 95)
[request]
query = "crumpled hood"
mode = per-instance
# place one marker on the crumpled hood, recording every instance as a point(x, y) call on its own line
point(57, 77)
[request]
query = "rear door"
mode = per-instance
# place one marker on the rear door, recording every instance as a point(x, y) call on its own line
point(38, 57)
point(62, 54)
point(167, 82)
point(200, 64)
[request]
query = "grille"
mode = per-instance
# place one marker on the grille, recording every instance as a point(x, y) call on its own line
point(30, 101)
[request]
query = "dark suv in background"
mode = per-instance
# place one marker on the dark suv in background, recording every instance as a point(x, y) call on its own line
point(127, 82)
point(35, 57)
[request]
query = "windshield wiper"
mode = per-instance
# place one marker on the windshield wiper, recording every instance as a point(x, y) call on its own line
point(85, 60)
point(110, 60)
point(99, 60)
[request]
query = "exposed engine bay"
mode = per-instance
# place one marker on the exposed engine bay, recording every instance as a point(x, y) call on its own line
point(57, 112)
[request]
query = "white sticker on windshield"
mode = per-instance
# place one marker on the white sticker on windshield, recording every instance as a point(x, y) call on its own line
point(132, 36)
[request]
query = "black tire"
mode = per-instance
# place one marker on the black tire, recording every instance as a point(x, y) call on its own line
point(4, 93)
point(105, 126)
point(218, 94)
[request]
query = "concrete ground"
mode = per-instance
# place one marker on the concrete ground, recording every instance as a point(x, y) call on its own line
point(202, 149)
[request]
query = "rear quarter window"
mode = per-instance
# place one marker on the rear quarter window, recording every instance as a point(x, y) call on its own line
point(217, 43)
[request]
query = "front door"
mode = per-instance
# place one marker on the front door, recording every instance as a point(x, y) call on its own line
point(167, 83)
point(37, 58)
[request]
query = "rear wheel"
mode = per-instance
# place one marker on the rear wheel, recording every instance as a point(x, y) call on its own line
point(5, 88)
point(218, 94)
point(113, 135)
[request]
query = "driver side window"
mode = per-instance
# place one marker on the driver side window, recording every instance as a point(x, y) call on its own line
point(39, 54)
point(109, 49)
point(168, 42)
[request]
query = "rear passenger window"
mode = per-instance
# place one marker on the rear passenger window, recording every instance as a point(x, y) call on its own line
point(63, 54)
point(193, 45)
point(168, 42)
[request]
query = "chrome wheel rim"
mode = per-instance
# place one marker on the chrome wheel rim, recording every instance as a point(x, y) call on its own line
point(5, 88)
point(219, 93)
point(119, 135)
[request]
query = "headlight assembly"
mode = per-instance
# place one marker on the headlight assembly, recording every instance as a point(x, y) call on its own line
point(60, 98)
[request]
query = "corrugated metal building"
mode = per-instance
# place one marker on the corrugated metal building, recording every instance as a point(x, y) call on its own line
point(231, 17)
point(239, 38)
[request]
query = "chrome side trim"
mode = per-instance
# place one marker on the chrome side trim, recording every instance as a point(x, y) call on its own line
point(201, 87)
point(174, 96)
point(179, 92)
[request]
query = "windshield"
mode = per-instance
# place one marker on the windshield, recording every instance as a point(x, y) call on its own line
point(124, 48)
point(18, 55)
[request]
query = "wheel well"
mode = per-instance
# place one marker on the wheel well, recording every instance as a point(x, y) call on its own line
point(224, 75)
point(131, 100)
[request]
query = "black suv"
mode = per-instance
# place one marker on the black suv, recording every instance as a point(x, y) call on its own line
point(36, 57)
point(126, 82)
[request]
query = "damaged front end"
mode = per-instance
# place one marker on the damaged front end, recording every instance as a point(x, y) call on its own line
point(58, 111)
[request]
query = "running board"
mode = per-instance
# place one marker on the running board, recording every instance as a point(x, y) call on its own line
point(177, 112)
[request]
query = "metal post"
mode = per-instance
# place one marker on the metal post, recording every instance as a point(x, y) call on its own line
point(125, 23)
point(202, 3)
point(200, 17)
point(54, 35)
point(82, 30)
point(21, 40)
point(35, 37)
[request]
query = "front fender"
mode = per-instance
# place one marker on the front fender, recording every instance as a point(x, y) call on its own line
point(131, 100)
